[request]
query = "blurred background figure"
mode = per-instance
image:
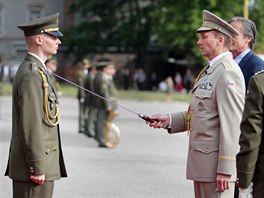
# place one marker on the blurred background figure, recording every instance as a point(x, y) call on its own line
point(170, 88)
point(139, 79)
point(106, 111)
point(89, 123)
point(125, 72)
point(83, 72)
point(188, 80)
point(178, 82)
point(52, 66)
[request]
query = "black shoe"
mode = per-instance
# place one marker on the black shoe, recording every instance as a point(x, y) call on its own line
point(102, 146)
point(88, 134)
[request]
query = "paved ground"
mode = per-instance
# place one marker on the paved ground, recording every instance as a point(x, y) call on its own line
point(148, 163)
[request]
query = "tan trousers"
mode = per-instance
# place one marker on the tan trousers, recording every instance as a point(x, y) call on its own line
point(208, 190)
point(23, 189)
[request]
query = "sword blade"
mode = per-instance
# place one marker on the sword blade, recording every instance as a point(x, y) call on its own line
point(91, 92)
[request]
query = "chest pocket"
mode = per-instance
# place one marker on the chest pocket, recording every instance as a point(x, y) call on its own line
point(203, 93)
point(203, 102)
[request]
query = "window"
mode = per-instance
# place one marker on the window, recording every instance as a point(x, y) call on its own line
point(35, 11)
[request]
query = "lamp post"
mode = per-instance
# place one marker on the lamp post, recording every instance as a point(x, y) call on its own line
point(246, 8)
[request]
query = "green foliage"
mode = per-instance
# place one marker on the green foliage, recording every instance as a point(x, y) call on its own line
point(123, 25)
point(134, 25)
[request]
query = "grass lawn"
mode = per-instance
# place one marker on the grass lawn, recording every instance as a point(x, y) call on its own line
point(71, 91)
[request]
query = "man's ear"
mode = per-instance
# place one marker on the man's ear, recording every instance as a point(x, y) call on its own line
point(221, 39)
point(38, 39)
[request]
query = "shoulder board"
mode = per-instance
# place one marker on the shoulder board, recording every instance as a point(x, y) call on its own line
point(34, 67)
point(227, 64)
point(259, 72)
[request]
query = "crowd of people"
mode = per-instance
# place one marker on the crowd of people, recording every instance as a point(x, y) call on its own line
point(224, 119)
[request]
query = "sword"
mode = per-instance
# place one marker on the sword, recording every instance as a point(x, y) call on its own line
point(142, 116)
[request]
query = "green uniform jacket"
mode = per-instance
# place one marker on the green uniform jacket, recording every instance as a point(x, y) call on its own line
point(105, 87)
point(35, 147)
point(250, 159)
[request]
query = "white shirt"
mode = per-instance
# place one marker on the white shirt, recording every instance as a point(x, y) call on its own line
point(241, 56)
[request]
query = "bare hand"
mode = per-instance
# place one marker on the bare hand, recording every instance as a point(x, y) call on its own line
point(222, 182)
point(159, 121)
point(38, 179)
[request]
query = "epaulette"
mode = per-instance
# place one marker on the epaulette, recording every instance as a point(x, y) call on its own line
point(34, 67)
point(227, 64)
point(259, 72)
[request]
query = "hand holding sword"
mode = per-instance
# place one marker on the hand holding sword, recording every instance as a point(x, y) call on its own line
point(157, 121)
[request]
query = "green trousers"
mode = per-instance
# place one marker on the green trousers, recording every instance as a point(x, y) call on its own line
point(22, 189)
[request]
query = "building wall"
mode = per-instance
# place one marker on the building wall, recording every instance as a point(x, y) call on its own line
point(15, 12)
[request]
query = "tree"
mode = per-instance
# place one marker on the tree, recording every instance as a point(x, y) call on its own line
point(179, 19)
point(119, 25)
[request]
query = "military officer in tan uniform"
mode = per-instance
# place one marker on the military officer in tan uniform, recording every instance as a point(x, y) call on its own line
point(214, 114)
point(250, 159)
point(35, 157)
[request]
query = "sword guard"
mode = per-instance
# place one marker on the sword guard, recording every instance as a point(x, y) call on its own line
point(146, 118)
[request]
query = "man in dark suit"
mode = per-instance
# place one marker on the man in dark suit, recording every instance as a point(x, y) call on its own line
point(250, 159)
point(35, 157)
point(243, 45)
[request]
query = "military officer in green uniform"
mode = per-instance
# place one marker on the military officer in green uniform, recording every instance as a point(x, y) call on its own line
point(250, 159)
point(83, 72)
point(214, 114)
point(35, 157)
point(89, 123)
point(104, 86)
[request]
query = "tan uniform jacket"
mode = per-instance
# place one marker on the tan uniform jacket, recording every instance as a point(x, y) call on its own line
point(250, 159)
point(216, 110)
point(35, 147)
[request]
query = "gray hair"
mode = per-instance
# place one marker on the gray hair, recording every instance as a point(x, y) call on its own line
point(248, 28)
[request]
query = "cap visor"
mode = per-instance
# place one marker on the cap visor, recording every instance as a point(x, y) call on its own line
point(204, 29)
point(55, 33)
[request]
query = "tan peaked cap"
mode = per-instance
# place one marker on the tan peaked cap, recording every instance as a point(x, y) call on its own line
point(48, 24)
point(213, 22)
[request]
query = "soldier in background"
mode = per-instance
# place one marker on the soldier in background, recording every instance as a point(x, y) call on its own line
point(85, 64)
point(52, 66)
point(89, 124)
point(250, 159)
point(105, 87)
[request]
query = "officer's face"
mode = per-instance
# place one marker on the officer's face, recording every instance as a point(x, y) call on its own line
point(50, 44)
point(209, 44)
point(240, 42)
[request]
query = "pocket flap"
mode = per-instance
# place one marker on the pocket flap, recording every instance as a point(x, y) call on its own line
point(203, 93)
point(206, 147)
point(50, 149)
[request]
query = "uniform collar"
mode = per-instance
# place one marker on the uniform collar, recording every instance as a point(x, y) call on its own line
point(37, 57)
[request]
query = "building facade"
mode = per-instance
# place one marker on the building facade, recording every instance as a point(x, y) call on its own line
point(15, 12)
